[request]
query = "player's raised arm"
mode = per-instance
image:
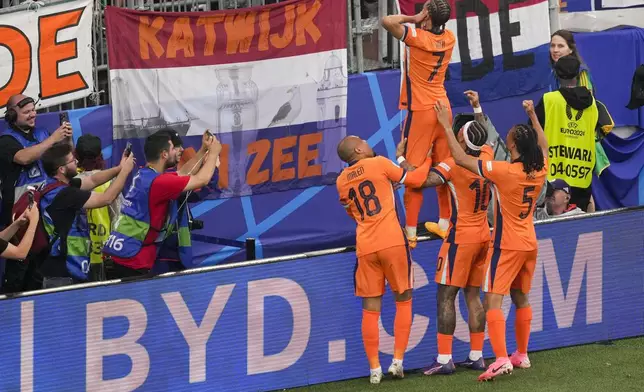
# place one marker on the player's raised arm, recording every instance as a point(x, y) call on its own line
point(433, 178)
point(395, 23)
point(460, 157)
point(528, 106)
point(473, 98)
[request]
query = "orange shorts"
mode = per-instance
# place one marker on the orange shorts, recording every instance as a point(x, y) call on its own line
point(422, 131)
point(506, 269)
point(461, 265)
point(393, 264)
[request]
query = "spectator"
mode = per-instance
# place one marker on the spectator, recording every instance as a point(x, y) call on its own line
point(90, 161)
point(570, 118)
point(151, 201)
point(64, 214)
point(557, 202)
point(562, 43)
point(22, 145)
point(19, 252)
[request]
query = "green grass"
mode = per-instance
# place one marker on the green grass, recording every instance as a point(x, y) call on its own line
point(594, 367)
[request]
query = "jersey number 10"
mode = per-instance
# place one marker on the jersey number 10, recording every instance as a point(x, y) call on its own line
point(482, 189)
point(367, 192)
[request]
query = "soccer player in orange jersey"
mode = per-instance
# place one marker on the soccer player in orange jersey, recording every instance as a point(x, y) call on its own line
point(366, 191)
point(426, 58)
point(512, 257)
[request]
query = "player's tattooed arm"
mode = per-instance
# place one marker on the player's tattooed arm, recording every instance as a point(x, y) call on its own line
point(433, 179)
point(460, 157)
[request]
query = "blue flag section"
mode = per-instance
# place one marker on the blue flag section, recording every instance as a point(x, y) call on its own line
point(294, 323)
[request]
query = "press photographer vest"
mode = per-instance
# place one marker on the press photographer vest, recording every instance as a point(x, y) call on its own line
point(133, 225)
point(32, 174)
point(571, 140)
point(77, 243)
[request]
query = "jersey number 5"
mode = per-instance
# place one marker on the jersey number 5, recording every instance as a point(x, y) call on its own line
point(367, 192)
point(529, 200)
point(441, 57)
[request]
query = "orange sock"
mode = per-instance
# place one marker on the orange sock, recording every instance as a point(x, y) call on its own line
point(402, 327)
point(522, 328)
point(442, 194)
point(476, 341)
point(444, 344)
point(413, 200)
point(371, 337)
point(496, 330)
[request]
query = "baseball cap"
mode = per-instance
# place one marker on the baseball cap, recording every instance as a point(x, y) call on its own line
point(557, 185)
point(88, 147)
point(567, 67)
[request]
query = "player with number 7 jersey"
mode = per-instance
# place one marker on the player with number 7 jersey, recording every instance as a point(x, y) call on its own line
point(366, 192)
point(428, 51)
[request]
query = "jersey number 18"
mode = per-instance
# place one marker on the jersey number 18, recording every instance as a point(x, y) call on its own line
point(367, 192)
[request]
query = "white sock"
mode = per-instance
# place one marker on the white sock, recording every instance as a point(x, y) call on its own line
point(411, 231)
point(378, 370)
point(443, 358)
point(443, 224)
point(475, 355)
point(397, 362)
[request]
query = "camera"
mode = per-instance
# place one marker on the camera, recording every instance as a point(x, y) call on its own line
point(195, 224)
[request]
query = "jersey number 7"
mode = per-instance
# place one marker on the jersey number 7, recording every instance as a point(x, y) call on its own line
point(439, 63)
point(366, 192)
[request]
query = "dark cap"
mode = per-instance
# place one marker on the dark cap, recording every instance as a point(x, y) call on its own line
point(88, 147)
point(637, 89)
point(557, 185)
point(567, 67)
point(174, 136)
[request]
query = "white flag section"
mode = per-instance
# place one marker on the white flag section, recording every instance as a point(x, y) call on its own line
point(230, 97)
point(621, 3)
point(45, 51)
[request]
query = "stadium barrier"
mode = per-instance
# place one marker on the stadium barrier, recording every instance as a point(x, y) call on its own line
point(280, 323)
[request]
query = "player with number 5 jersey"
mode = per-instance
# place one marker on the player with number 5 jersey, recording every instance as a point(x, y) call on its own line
point(429, 47)
point(366, 192)
point(512, 257)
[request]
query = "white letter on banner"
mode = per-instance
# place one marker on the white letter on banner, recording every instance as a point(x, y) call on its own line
point(27, 346)
point(588, 257)
point(98, 348)
point(419, 324)
point(293, 293)
point(197, 335)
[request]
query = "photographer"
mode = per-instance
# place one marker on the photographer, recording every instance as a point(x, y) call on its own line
point(151, 208)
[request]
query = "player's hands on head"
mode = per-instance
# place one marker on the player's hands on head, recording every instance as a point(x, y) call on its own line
point(400, 148)
point(473, 97)
point(443, 114)
point(421, 16)
point(528, 106)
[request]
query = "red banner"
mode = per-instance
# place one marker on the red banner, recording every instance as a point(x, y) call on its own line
point(142, 39)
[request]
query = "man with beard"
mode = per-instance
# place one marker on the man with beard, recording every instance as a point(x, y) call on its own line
point(150, 201)
point(22, 145)
point(63, 213)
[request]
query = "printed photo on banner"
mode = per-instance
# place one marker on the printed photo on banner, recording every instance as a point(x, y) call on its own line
point(45, 51)
point(501, 49)
point(270, 82)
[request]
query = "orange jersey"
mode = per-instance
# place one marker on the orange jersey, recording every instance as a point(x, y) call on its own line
point(514, 195)
point(470, 195)
point(426, 59)
point(366, 191)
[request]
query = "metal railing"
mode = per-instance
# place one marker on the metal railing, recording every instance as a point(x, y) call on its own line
point(369, 47)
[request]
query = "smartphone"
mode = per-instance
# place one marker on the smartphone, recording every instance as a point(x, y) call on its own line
point(64, 117)
point(128, 149)
point(208, 133)
point(31, 199)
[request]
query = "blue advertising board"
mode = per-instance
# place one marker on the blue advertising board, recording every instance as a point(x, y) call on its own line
point(293, 323)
